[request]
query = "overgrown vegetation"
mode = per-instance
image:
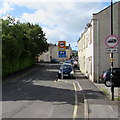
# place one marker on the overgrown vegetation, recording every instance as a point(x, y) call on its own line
point(105, 91)
point(117, 98)
point(21, 42)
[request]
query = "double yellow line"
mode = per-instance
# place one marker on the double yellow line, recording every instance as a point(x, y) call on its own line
point(75, 110)
point(86, 113)
point(76, 103)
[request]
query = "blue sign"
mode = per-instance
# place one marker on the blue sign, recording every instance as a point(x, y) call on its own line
point(62, 54)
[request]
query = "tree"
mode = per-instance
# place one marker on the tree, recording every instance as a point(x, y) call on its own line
point(21, 42)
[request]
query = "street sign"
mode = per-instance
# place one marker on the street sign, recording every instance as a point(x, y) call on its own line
point(112, 41)
point(62, 54)
point(61, 45)
point(111, 50)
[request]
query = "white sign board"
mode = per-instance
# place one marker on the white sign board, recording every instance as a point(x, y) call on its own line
point(112, 41)
point(111, 50)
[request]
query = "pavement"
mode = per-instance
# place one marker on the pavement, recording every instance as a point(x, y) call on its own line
point(99, 103)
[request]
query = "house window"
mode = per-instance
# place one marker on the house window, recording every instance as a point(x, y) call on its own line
point(90, 35)
point(91, 65)
point(87, 39)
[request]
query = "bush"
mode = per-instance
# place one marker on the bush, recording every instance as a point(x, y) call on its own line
point(21, 42)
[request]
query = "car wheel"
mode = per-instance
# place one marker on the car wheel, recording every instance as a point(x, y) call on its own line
point(108, 83)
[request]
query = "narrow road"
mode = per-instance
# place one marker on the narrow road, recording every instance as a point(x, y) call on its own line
point(37, 93)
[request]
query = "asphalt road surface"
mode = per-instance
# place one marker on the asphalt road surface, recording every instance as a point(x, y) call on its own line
point(37, 93)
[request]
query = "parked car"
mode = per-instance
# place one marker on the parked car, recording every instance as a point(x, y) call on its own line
point(72, 61)
point(75, 64)
point(106, 77)
point(67, 70)
point(54, 61)
point(67, 61)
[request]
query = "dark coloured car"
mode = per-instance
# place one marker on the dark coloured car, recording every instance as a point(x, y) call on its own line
point(67, 71)
point(54, 61)
point(72, 61)
point(67, 62)
point(106, 77)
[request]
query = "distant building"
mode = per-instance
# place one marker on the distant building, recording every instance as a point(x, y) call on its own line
point(68, 52)
point(93, 59)
point(45, 57)
point(53, 53)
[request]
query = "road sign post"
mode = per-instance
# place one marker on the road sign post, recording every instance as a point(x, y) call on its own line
point(111, 42)
point(111, 54)
point(62, 52)
point(62, 72)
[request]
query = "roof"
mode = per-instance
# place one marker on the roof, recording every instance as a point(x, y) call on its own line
point(118, 2)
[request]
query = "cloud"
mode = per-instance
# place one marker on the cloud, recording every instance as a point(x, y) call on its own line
point(62, 21)
point(59, 20)
point(6, 7)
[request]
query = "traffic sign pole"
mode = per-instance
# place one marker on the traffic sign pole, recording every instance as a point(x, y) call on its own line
point(62, 73)
point(62, 52)
point(111, 54)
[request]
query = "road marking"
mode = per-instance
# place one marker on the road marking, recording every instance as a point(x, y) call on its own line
point(86, 108)
point(14, 79)
point(76, 103)
point(60, 80)
point(19, 89)
point(76, 99)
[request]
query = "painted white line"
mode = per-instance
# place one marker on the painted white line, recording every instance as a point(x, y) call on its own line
point(76, 103)
point(60, 80)
point(19, 89)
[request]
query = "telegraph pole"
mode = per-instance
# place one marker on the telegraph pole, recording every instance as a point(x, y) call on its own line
point(111, 54)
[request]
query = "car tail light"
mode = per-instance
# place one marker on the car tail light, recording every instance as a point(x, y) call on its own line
point(104, 75)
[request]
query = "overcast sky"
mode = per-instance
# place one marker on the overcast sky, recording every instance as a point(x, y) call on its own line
point(61, 21)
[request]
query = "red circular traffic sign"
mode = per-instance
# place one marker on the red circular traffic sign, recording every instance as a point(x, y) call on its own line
point(61, 44)
point(112, 41)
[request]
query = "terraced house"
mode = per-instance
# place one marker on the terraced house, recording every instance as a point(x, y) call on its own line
point(92, 56)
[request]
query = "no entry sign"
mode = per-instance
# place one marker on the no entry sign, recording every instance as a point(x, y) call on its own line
point(112, 41)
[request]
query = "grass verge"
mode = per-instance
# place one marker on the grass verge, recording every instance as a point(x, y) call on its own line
point(104, 91)
point(117, 98)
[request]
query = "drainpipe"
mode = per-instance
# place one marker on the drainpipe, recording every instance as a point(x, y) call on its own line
point(98, 51)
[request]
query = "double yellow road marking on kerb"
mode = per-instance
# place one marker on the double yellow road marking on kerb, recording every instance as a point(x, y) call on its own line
point(76, 99)
point(76, 103)
point(76, 89)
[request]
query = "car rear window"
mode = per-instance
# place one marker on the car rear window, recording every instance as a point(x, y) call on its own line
point(67, 67)
point(116, 71)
